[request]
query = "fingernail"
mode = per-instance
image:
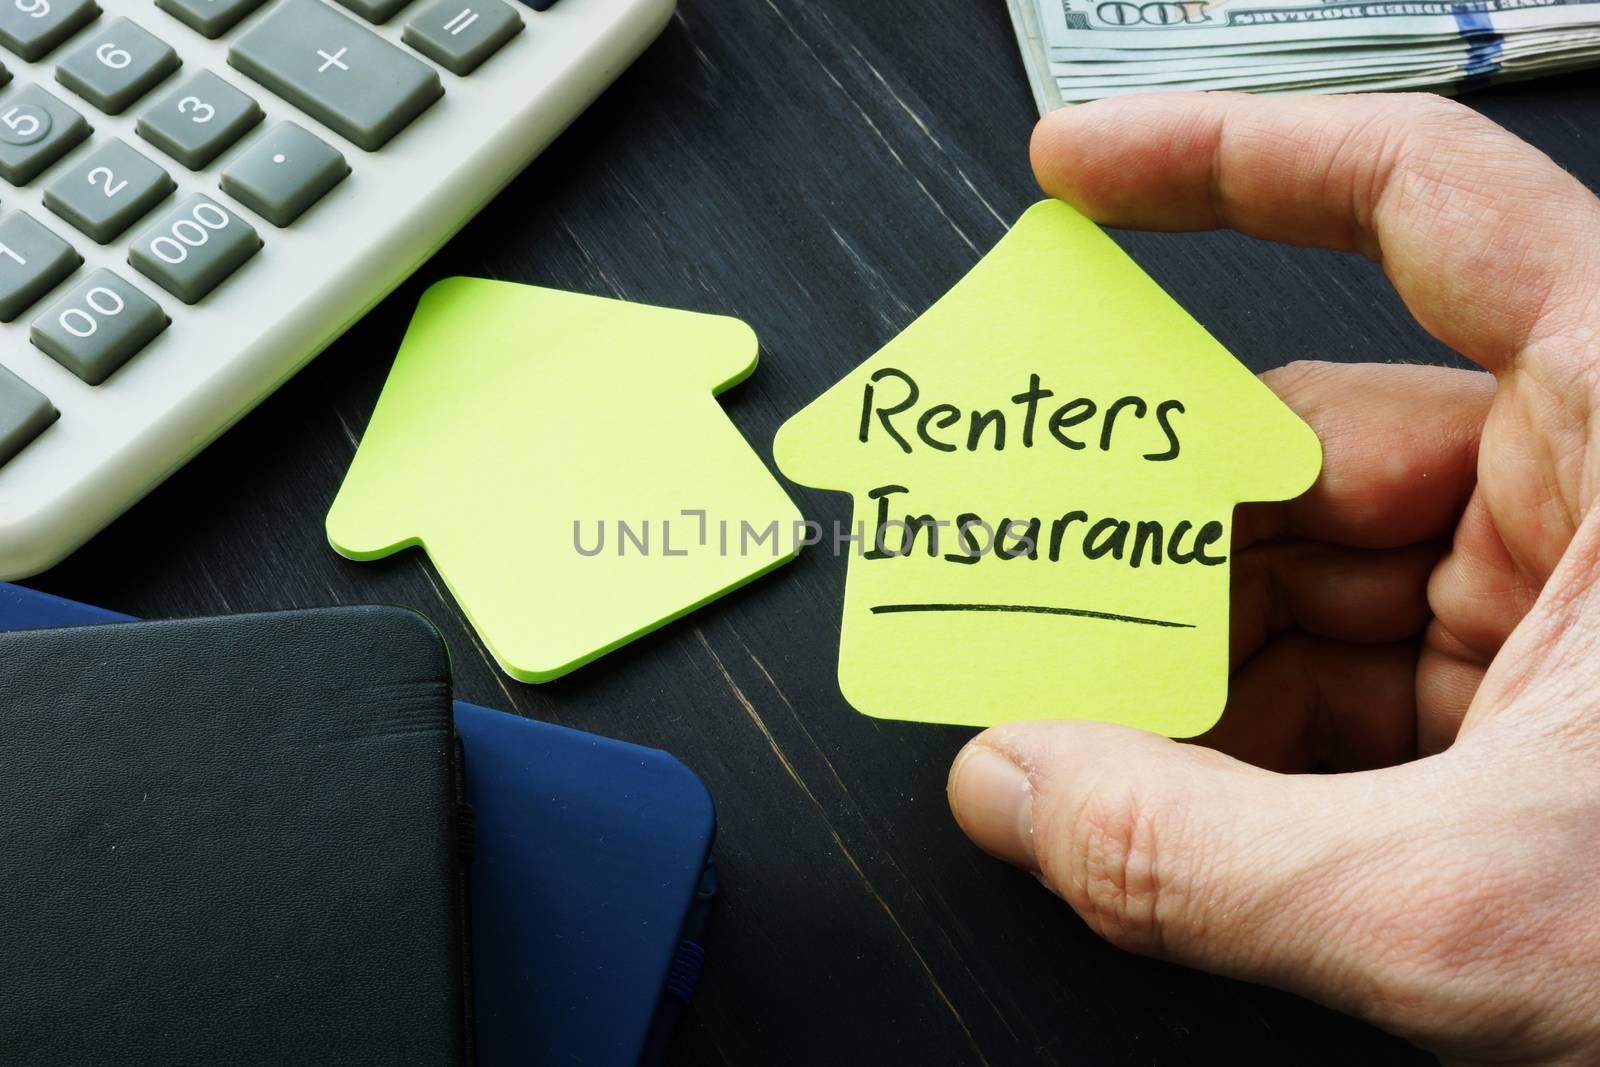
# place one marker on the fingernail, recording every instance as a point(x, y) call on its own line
point(993, 803)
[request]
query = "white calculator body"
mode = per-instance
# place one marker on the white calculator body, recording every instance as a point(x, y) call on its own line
point(261, 242)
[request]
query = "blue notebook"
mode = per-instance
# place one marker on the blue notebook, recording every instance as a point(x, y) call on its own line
point(590, 886)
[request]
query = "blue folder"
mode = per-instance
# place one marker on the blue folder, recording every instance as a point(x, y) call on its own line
point(590, 885)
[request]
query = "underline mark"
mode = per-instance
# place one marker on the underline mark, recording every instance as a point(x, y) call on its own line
point(1032, 609)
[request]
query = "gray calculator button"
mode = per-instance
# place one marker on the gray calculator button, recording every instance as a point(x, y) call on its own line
point(24, 414)
point(36, 129)
point(336, 70)
point(108, 191)
point(283, 173)
point(209, 18)
point(98, 326)
point(33, 261)
point(460, 34)
point(199, 119)
point(375, 10)
point(30, 28)
point(193, 247)
point(117, 66)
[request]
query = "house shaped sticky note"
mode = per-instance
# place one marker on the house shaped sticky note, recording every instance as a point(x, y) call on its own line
point(1044, 466)
point(564, 462)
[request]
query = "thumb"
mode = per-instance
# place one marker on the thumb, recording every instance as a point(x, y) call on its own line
point(1182, 852)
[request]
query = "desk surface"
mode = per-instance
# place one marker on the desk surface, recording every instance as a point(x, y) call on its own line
point(822, 169)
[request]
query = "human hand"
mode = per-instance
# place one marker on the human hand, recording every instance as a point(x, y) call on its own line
point(1426, 619)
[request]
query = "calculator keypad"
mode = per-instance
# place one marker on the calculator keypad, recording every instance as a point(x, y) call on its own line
point(199, 119)
point(319, 60)
point(36, 129)
point(30, 28)
point(460, 34)
point(24, 414)
point(117, 66)
point(192, 248)
point(33, 261)
point(336, 70)
point(283, 173)
point(110, 190)
point(98, 326)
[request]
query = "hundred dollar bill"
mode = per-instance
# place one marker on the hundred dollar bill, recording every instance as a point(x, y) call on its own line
point(1191, 23)
point(1035, 55)
point(1077, 50)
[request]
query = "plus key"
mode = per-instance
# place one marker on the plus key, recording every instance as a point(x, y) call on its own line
point(337, 71)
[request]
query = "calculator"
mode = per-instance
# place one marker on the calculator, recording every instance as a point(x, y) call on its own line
point(197, 196)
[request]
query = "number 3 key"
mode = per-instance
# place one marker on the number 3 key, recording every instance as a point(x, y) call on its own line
point(199, 119)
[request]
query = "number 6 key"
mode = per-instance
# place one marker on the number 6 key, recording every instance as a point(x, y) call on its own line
point(117, 66)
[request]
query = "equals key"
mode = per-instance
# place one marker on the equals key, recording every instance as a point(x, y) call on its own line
point(460, 34)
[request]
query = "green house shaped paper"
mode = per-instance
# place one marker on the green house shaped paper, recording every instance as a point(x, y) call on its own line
point(564, 462)
point(1045, 466)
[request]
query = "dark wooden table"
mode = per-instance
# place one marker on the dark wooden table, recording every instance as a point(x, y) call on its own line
point(823, 169)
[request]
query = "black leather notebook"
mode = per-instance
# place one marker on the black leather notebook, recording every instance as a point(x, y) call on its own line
point(232, 841)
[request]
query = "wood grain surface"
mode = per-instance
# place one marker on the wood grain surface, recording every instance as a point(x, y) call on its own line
point(823, 169)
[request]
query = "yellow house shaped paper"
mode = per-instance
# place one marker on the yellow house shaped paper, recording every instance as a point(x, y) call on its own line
point(564, 462)
point(1044, 468)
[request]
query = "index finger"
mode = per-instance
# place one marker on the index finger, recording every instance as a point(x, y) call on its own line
point(1491, 245)
point(1399, 453)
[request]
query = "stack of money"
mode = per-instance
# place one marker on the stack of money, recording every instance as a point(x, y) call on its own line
point(1077, 50)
